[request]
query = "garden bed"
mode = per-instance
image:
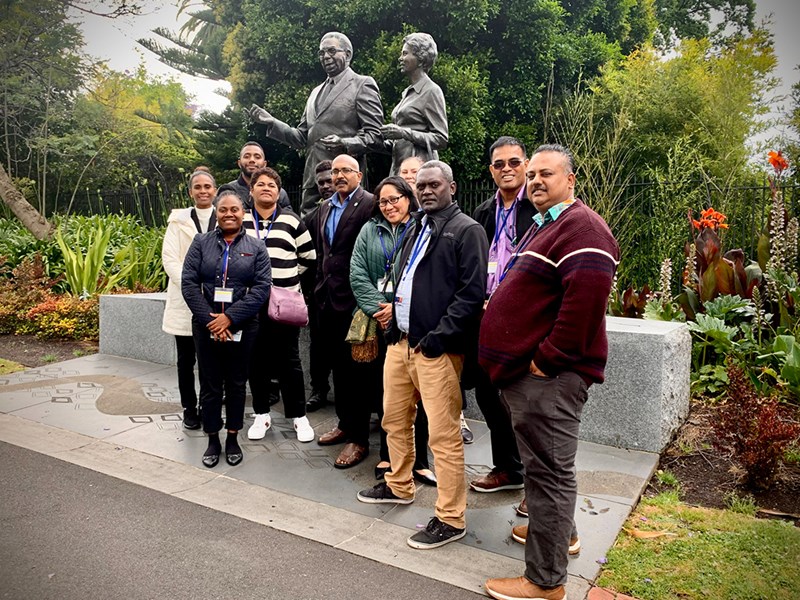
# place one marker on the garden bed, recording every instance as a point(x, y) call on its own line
point(30, 351)
point(709, 477)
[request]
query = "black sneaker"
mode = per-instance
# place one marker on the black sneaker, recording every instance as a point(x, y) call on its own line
point(316, 401)
point(191, 420)
point(381, 494)
point(435, 534)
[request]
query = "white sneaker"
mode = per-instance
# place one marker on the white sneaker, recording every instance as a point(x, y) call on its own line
point(259, 428)
point(305, 433)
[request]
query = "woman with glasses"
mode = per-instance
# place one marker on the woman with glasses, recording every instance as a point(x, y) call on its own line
point(372, 280)
point(419, 121)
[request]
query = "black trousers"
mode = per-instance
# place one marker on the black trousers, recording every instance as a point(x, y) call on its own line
point(546, 415)
point(353, 383)
point(276, 356)
point(505, 454)
point(186, 359)
point(223, 374)
point(319, 358)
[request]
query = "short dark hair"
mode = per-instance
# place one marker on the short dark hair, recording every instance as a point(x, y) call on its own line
point(259, 146)
point(402, 187)
point(323, 165)
point(225, 194)
point(506, 140)
point(569, 160)
point(269, 172)
point(202, 171)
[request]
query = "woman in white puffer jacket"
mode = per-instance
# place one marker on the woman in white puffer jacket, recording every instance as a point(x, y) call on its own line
point(183, 224)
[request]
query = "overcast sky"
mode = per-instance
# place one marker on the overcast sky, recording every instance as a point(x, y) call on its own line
point(114, 40)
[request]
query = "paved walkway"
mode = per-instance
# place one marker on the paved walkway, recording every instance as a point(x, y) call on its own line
point(121, 417)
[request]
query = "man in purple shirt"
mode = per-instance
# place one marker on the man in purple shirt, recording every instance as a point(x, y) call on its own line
point(505, 217)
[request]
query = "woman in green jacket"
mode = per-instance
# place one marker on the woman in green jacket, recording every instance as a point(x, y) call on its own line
point(372, 281)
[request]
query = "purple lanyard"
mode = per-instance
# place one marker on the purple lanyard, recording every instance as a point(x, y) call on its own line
point(258, 224)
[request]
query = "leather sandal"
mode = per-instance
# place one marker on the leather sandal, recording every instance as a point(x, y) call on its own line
point(351, 455)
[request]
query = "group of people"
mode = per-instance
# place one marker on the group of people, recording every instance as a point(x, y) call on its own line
point(510, 301)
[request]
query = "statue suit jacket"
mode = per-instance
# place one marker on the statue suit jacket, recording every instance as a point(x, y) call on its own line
point(352, 110)
point(332, 285)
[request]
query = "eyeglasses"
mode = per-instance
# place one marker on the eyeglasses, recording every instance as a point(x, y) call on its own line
point(389, 200)
point(330, 51)
point(512, 162)
point(344, 171)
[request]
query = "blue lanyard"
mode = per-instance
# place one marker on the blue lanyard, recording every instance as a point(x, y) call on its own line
point(417, 247)
point(386, 254)
point(225, 255)
point(499, 227)
point(258, 224)
point(523, 242)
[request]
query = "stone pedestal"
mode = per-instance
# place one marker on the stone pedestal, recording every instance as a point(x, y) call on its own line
point(645, 397)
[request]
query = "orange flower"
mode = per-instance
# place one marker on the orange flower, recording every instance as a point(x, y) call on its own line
point(778, 161)
point(710, 219)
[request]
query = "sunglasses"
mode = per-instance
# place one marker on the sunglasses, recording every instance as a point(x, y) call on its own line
point(514, 163)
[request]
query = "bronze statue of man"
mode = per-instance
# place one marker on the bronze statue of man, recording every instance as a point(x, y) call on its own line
point(343, 115)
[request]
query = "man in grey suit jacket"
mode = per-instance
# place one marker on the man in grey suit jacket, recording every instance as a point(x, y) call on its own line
point(343, 115)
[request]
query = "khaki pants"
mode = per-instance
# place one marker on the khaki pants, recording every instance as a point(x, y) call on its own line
point(407, 376)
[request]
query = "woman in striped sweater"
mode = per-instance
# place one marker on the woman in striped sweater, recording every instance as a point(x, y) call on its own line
point(277, 354)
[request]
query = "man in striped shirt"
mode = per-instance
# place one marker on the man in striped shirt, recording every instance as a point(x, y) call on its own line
point(543, 343)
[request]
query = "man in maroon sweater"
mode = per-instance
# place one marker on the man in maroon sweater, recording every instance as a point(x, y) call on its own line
point(543, 342)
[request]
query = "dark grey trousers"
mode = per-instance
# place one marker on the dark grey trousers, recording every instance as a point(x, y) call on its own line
point(546, 415)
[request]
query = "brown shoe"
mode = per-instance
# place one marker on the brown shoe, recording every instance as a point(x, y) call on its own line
point(520, 534)
point(351, 455)
point(522, 509)
point(521, 588)
point(495, 481)
point(333, 437)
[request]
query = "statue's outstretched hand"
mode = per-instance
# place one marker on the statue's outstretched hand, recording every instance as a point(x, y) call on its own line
point(332, 143)
point(259, 115)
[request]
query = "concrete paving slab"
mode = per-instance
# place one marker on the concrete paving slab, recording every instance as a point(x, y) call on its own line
point(82, 411)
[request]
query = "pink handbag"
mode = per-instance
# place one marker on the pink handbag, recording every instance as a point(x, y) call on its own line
point(287, 307)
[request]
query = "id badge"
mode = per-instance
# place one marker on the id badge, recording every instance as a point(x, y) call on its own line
point(385, 286)
point(492, 267)
point(223, 294)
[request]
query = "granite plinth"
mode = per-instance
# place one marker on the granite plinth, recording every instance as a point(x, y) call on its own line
point(645, 397)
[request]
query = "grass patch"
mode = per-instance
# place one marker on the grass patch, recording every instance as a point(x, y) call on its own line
point(705, 553)
point(48, 358)
point(9, 366)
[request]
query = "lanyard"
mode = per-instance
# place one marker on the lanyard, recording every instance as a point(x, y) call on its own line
point(499, 227)
point(386, 253)
point(225, 255)
point(417, 247)
point(258, 224)
point(523, 242)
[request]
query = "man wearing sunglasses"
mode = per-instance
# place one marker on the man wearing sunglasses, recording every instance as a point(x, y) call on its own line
point(343, 115)
point(505, 218)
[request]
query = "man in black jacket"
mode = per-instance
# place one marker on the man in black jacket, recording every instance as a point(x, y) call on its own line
point(505, 218)
point(251, 159)
point(441, 287)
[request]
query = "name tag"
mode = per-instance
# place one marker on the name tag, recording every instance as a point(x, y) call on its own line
point(384, 285)
point(223, 294)
point(492, 267)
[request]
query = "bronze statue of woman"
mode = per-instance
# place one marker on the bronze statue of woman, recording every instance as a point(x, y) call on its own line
point(419, 121)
